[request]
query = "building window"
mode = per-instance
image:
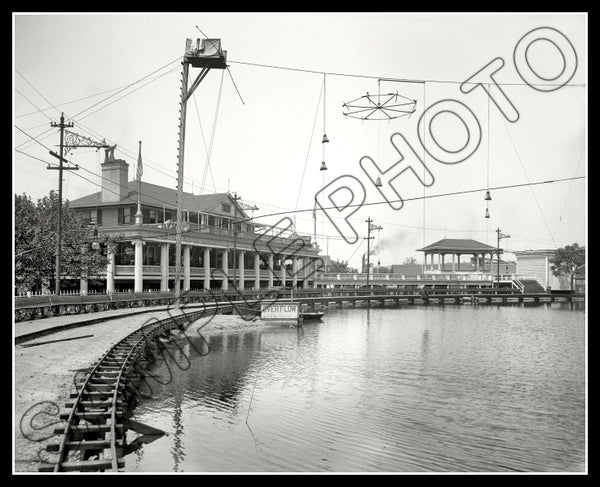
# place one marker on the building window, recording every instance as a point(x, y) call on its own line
point(126, 215)
point(149, 215)
point(226, 208)
point(125, 254)
point(90, 217)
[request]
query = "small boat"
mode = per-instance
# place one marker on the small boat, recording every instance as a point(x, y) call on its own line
point(312, 315)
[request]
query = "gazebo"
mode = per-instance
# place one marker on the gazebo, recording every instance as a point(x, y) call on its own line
point(456, 247)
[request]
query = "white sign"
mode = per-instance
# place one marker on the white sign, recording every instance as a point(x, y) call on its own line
point(280, 311)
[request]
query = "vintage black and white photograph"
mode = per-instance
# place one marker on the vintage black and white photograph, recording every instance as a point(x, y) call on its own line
point(300, 243)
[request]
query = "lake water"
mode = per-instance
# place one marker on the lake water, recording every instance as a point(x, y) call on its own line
point(437, 388)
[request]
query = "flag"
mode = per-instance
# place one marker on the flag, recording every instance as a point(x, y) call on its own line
point(140, 167)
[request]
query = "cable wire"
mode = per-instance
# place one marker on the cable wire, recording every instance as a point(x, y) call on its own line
point(531, 187)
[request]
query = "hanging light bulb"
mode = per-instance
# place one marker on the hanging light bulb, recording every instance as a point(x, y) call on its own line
point(487, 213)
point(325, 139)
point(487, 196)
point(378, 182)
point(323, 166)
point(95, 244)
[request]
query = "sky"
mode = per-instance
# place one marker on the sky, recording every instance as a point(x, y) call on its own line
point(117, 77)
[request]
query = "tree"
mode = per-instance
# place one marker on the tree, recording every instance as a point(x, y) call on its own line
point(409, 261)
point(569, 262)
point(35, 243)
point(339, 266)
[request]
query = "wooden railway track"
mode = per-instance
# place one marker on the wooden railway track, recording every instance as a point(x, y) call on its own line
point(94, 436)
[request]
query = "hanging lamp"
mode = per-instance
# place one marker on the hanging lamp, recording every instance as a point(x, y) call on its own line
point(378, 182)
point(487, 213)
point(323, 166)
point(487, 196)
point(95, 244)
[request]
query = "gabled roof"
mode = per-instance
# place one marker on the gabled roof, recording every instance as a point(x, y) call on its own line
point(159, 196)
point(458, 244)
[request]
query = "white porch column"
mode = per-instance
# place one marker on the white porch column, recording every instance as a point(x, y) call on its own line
point(305, 273)
point(240, 270)
point(83, 286)
point(225, 267)
point(476, 262)
point(164, 267)
point(453, 263)
point(442, 269)
point(256, 271)
point(207, 268)
point(271, 271)
point(283, 270)
point(138, 285)
point(295, 271)
point(110, 271)
point(186, 267)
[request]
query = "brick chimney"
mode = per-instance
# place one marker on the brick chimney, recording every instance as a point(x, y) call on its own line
point(114, 178)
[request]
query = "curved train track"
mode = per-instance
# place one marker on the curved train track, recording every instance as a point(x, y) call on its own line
point(94, 436)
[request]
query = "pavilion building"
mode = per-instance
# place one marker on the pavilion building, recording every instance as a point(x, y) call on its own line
point(217, 237)
point(445, 256)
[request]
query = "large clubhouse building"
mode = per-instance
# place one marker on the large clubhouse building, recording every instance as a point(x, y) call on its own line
point(214, 228)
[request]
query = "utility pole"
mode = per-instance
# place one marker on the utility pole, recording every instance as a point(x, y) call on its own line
point(500, 236)
point(60, 169)
point(235, 200)
point(206, 55)
point(368, 238)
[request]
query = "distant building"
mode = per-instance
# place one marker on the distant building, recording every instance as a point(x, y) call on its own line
point(407, 269)
point(537, 264)
point(449, 254)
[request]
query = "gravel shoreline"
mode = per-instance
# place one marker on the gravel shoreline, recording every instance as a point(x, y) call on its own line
point(44, 375)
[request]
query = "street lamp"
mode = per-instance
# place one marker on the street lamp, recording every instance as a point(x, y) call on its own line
point(368, 238)
point(500, 236)
point(95, 244)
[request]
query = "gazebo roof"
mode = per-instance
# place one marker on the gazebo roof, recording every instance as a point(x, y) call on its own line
point(458, 245)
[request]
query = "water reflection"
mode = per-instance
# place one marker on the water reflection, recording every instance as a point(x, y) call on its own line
point(459, 388)
point(177, 448)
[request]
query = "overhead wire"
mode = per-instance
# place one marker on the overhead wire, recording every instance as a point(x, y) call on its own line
point(126, 87)
point(400, 80)
point(308, 150)
point(440, 195)
point(531, 187)
point(212, 138)
point(70, 102)
point(288, 211)
point(36, 90)
point(45, 132)
point(569, 192)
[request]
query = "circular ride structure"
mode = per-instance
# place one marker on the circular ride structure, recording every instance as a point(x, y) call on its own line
point(380, 106)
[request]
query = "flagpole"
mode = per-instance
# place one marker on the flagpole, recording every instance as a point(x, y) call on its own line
point(139, 170)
